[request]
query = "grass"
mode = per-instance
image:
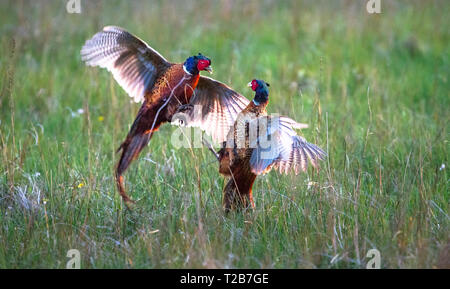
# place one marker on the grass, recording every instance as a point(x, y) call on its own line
point(374, 89)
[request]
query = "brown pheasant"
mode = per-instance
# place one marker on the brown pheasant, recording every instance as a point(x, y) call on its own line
point(256, 144)
point(163, 87)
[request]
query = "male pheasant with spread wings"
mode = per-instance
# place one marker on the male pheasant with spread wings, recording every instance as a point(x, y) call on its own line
point(257, 143)
point(163, 88)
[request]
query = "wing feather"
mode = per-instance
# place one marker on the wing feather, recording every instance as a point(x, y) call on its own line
point(288, 150)
point(134, 64)
point(213, 108)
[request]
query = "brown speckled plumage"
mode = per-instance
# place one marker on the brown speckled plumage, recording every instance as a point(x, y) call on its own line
point(165, 89)
point(244, 156)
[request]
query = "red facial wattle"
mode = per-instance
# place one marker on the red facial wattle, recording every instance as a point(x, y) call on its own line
point(202, 64)
point(254, 85)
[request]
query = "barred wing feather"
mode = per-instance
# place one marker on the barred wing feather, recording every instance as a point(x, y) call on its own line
point(213, 108)
point(134, 64)
point(278, 145)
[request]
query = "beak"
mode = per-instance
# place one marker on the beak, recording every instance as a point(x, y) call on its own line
point(209, 69)
point(249, 84)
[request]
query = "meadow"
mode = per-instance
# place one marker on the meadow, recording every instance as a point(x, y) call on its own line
point(372, 87)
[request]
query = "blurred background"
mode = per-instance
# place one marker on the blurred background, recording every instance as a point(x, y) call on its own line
point(373, 88)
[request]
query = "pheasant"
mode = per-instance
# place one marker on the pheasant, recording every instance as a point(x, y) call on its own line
point(164, 88)
point(256, 143)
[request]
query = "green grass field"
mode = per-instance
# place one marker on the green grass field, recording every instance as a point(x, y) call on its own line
point(374, 89)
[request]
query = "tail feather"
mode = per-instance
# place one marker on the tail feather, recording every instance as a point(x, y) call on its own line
point(131, 148)
point(142, 130)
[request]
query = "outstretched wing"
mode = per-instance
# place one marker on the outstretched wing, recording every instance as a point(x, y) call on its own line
point(278, 145)
point(133, 63)
point(301, 152)
point(213, 107)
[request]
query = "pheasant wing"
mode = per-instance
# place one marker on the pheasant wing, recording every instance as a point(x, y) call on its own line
point(133, 63)
point(213, 108)
point(278, 145)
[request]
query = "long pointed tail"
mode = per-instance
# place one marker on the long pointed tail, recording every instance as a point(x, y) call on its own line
point(131, 148)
